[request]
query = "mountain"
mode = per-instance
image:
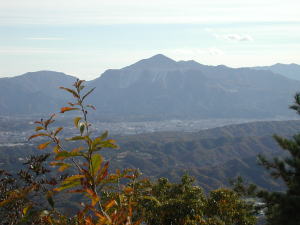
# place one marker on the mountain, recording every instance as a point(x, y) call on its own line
point(291, 71)
point(160, 86)
point(34, 92)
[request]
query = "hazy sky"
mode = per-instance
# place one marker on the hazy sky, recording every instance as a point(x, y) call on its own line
point(86, 37)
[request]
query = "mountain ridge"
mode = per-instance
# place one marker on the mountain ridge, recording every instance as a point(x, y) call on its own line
point(161, 86)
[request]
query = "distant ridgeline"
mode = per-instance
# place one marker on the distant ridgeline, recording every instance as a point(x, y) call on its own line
point(159, 88)
point(213, 156)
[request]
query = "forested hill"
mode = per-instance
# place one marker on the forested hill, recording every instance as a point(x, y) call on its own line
point(213, 156)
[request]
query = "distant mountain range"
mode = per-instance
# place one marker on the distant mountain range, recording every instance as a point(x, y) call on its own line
point(159, 87)
point(291, 71)
point(33, 93)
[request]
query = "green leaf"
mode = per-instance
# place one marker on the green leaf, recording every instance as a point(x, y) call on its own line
point(62, 166)
point(64, 154)
point(73, 92)
point(76, 138)
point(98, 140)
point(70, 182)
point(81, 128)
point(26, 209)
point(67, 185)
point(73, 178)
point(96, 163)
point(89, 92)
point(104, 135)
point(108, 144)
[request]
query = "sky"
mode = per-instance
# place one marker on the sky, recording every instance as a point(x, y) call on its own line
point(86, 37)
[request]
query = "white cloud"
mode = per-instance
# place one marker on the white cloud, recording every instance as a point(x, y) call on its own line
point(142, 11)
point(29, 51)
point(192, 53)
point(215, 51)
point(234, 37)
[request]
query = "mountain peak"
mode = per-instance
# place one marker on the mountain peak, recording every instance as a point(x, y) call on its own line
point(160, 57)
point(156, 62)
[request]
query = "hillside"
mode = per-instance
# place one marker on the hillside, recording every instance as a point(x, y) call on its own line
point(213, 156)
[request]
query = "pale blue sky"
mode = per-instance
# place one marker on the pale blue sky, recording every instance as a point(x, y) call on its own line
point(84, 38)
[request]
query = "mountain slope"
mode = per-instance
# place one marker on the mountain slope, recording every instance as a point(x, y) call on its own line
point(213, 156)
point(159, 88)
point(164, 87)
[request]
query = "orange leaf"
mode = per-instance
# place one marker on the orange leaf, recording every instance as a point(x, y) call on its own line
point(65, 109)
point(88, 221)
point(37, 135)
point(128, 190)
point(39, 128)
point(57, 131)
point(78, 149)
point(93, 196)
point(44, 145)
point(103, 173)
point(56, 149)
point(110, 204)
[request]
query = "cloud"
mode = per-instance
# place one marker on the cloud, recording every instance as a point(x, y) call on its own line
point(235, 37)
point(29, 51)
point(192, 53)
point(59, 12)
point(215, 51)
point(45, 38)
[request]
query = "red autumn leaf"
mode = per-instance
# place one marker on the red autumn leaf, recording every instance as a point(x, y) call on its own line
point(65, 109)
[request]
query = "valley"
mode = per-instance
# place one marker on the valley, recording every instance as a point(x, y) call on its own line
point(213, 156)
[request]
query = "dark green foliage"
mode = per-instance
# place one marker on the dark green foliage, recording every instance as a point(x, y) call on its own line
point(185, 204)
point(284, 207)
point(175, 203)
point(227, 206)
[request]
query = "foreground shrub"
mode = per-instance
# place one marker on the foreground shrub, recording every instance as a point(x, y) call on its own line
point(104, 197)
